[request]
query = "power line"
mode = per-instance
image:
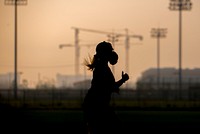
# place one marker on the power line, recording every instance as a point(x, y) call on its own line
point(31, 66)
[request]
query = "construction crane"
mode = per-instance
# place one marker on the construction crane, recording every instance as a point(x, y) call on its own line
point(113, 38)
point(127, 46)
point(77, 51)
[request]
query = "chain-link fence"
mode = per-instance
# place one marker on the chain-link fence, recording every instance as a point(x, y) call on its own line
point(73, 98)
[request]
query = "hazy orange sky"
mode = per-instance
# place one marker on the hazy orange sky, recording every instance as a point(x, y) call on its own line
point(44, 24)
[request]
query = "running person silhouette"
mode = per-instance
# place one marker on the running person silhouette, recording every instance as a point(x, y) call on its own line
point(99, 115)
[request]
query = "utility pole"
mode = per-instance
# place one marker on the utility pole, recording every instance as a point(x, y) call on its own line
point(77, 51)
point(158, 33)
point(127, 46)
point(180, 5)
point(15, 3)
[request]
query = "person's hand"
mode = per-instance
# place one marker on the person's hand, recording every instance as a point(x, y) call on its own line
point(125, 76)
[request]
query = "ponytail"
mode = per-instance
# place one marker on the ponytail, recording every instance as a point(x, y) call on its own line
point(90, 62)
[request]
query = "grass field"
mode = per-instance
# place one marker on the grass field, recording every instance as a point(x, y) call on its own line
point(71, 121)
point(57, 115)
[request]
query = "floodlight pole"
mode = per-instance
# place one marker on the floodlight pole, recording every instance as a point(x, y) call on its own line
point(158, 33)
point(174, 6)
point(16, 79)
point(15, 3)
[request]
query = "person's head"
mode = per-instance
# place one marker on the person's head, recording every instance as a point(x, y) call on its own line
point(104, 54)
point(104, 49)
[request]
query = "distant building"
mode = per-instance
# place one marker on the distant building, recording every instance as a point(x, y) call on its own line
point(6, 80)
point(71, 81)
point(85, 84)
point(169, 78)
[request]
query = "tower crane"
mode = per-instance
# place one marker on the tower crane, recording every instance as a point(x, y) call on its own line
point(77, 51)
point(113, 37)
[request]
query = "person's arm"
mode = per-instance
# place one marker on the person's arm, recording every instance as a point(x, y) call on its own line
point(124, 78)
